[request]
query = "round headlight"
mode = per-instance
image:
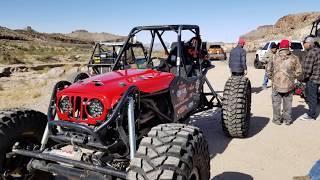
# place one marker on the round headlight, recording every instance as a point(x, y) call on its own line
point(95, 108)
point(65, 105)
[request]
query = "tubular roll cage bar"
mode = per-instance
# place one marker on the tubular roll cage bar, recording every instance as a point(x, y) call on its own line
point(315, 29)
point(128, 97)
point(159, 31)
point(98, 46)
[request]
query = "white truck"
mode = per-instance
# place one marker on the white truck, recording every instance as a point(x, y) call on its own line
point(296, 47)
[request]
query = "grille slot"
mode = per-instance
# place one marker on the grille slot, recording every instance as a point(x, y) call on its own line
point(78, 108)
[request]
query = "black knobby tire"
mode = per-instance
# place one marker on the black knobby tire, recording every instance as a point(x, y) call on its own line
point(19, 125)
point(171, 151)
point(236, 107)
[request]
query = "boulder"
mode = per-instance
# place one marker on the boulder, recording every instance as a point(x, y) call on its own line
point(5, 72)
point(55, 72)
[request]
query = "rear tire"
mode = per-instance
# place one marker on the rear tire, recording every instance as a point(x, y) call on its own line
point(24, 126)
point(236, 107)
point(172, 151)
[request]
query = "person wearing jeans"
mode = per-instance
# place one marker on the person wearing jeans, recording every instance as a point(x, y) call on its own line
point(283, 70)
point(312, 98)
point(311, 75)
point(277, 97)
point(266, 59)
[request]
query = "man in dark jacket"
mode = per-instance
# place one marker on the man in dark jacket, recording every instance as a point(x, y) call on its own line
point(311, 75)
point(238, 60)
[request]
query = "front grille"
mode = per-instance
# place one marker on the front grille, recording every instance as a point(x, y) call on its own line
point(78, 108)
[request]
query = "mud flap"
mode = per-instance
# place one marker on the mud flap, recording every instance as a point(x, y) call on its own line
point(185, 95)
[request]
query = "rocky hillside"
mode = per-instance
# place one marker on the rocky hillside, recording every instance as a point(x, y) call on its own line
point(90, 36)
point(27, 46)
point(292, 26)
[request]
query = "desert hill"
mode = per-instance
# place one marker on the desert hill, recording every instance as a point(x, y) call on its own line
point(292, 26)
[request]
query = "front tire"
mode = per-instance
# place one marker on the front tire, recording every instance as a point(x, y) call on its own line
point(236, 107)
point(23, 126)
point(172, 151)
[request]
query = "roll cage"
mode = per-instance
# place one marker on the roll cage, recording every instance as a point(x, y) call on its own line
point(159, 31)
point(315, 28)
point(103, 59)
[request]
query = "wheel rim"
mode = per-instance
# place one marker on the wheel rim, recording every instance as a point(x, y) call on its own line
point(194, 174)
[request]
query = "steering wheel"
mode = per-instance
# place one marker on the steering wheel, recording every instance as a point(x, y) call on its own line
point(163, 64)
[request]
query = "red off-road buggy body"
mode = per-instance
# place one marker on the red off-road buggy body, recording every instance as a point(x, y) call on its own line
point(131, 122)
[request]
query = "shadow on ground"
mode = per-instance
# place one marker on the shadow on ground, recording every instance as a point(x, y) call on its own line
point(210, 124)
point(232, 176)
point(257, 124)
point(257, 90)
point(298, 111)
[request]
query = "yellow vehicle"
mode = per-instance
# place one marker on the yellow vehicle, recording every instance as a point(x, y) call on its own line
point(216, 52)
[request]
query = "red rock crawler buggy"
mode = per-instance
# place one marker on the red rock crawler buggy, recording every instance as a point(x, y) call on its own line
point(127, 123)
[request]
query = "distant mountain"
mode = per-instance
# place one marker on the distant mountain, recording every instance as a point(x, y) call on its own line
point(292, 26)
point(29, 34)
point(27, 46)
point(93, 36)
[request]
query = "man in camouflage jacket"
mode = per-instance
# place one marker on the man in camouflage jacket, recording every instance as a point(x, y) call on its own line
point(283, 70)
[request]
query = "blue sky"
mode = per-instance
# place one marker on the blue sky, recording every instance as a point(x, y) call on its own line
point(222, 20)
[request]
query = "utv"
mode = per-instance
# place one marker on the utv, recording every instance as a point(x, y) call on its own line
point(103, 58)
point(128, 123)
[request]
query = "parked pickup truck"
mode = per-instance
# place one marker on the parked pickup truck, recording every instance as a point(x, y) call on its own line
point(296, 47)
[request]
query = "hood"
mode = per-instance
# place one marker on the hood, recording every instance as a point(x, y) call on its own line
point(108, 89)
point(112, 85)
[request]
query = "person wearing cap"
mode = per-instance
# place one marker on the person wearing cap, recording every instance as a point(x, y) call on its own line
point(266, 59)
point(311, 75)
point(238, 60)
point(283, 70)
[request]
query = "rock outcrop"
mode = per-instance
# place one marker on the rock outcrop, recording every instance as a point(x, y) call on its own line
point(292, 27)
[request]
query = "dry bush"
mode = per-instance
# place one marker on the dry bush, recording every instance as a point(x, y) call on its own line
point(36, 95)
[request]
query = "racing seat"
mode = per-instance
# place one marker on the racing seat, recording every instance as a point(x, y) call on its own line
point(186, 61)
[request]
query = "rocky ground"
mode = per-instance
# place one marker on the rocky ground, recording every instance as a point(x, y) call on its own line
point(32, 88)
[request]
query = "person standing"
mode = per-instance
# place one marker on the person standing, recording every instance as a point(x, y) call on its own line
point(283, 70)
point(311, 75)
point(266, 59)
point(238, 59)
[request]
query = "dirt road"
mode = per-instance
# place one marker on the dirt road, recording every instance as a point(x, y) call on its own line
point(271, 152)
